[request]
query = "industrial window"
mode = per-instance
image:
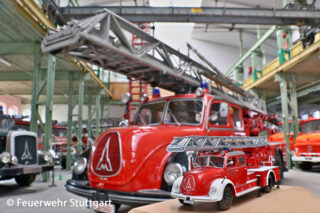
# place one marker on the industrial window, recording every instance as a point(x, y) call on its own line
point(236, 117)
point(241, 160)
point(215, 117)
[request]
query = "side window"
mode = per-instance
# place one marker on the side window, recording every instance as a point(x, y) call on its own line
point(242, 160)
point(215, 117)
point(236, 118)
point(231, 162)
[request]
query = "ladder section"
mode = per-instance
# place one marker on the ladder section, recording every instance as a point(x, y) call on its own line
point(201, 143)
point(105, 40)
point(137, 89)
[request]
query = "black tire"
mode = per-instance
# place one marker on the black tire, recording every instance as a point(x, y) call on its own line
point(227, 199)
point(279, 162)
point(306, 166)
point(270, 185)
point(25, 180)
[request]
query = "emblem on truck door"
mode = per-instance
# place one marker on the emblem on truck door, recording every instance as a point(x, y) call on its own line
point(107, 156)
point(26, 154)
point(104, 162)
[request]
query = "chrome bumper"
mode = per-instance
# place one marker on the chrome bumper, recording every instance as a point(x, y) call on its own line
point(187, 198)
point(306, 159)
point(83, 189)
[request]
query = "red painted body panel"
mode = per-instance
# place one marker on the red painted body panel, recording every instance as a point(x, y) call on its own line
point(308, 144)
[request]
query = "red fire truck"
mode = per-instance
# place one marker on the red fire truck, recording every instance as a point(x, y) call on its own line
point(130, 164)
point(307, 146)
point(223, 168)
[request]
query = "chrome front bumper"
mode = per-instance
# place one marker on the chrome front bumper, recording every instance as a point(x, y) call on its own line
point(83, 189)
point(187, 198)
point(306, 159)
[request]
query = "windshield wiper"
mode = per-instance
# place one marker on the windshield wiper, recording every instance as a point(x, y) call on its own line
point(174, 118)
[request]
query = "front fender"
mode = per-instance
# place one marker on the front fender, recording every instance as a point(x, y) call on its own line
point(220, 184)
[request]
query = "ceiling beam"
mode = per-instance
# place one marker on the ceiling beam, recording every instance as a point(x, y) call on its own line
point(263, 16)
point(18, 48)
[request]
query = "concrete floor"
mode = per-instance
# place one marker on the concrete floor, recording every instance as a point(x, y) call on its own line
point(41, 191)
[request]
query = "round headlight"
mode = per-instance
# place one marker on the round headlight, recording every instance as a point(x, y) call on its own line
point(47, 156)
point(172, 172)
point(5, 157)
point(125, 98)
point(213, 190)
point(14, 160)
point(199, 92)
point(79, 166)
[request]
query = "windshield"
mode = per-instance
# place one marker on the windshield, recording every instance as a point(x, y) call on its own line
point(311, 126)
point(209, 161)
point(184, 112)
point(4, 124)
point(59, 132)
point(150, 113)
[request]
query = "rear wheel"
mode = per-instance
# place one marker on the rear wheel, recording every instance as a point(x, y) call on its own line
point(25, 180)
point(268, 188)
point(306, 166)
point(227, 199)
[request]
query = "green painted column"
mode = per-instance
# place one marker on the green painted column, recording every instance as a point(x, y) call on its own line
point(49, 105)
point(80, 110)
point(35, 88)
point(294, 106)
point(70, 109)
point(239, 71)
point(97, 132)
point(89, 115)
point(284, 109)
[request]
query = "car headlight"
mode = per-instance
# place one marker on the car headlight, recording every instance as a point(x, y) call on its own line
point(172, 172)
point(47, 156)
point(176, 185)
point(213, 190)
point(199, 92)
point(5, 157)
point(125, 98)
point(79, 166)
point(14, 160)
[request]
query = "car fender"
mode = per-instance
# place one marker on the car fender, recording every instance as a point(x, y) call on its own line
point(220, 185)
point(269, 173)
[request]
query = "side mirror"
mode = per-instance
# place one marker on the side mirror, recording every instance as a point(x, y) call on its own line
point(224, 110)
point(124, 122)
point(230, 163)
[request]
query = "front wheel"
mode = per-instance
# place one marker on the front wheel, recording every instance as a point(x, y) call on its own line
point(25, 180)
point(227, 199)
point(306, 166)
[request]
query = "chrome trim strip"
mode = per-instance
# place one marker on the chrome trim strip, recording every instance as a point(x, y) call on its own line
point(135, 199)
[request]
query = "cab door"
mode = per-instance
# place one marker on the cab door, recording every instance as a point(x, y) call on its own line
point(232, 170)
point(217, 124)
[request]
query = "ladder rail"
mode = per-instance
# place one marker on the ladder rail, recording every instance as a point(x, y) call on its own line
point(103, 40)
point(203, 143)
